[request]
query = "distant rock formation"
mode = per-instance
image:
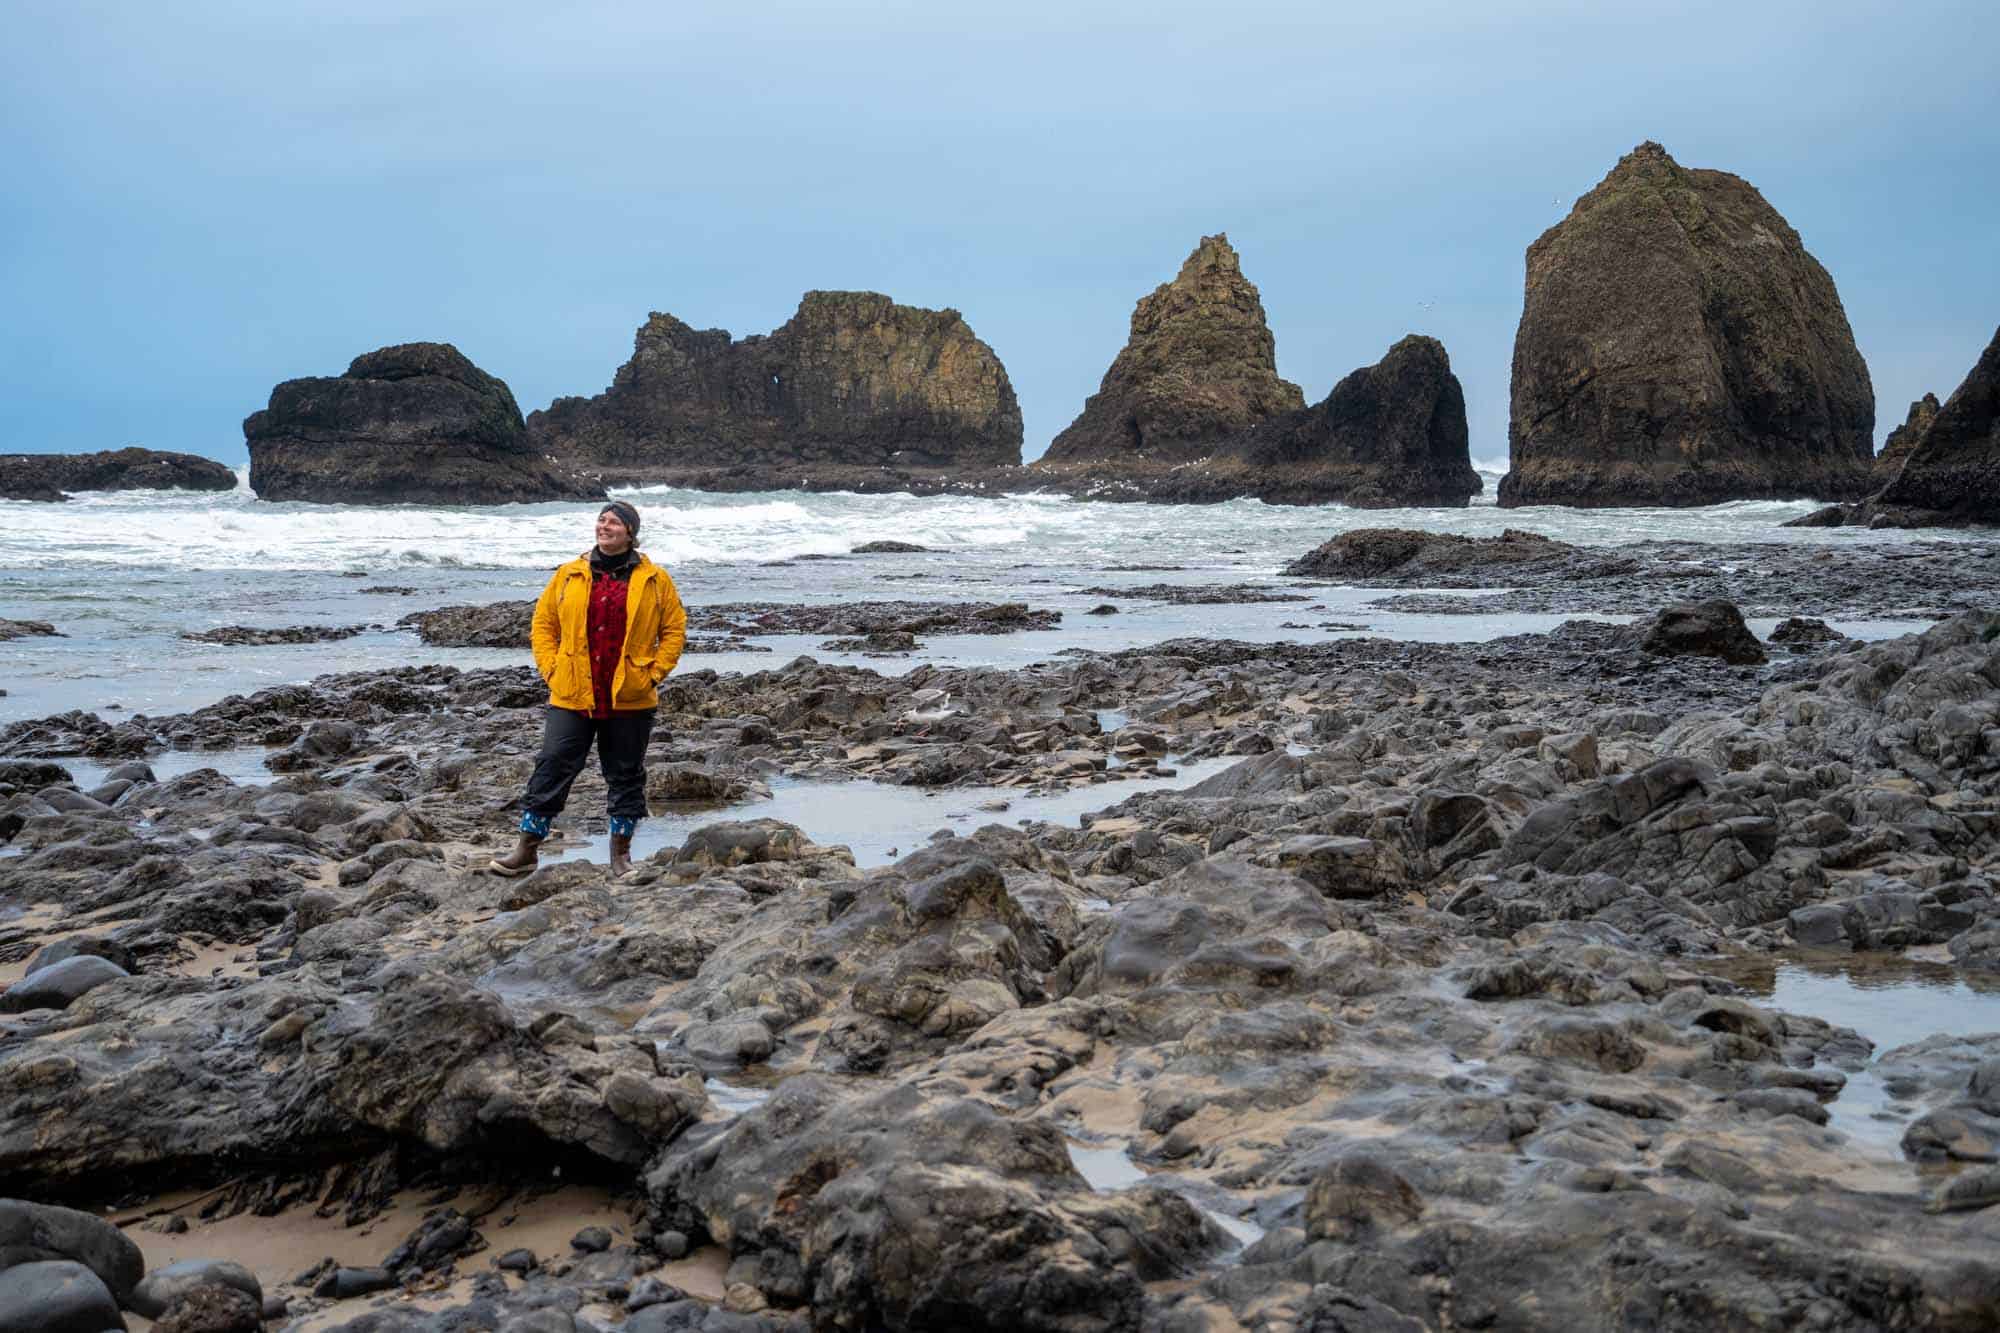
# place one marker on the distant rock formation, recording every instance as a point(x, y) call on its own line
point(1947, 470)
point(1390, 434)
point(416, 423)
point(1953, 469)
point(1904, 438)
point(1678, 346)
point(1200, 366)
point(851, 381)
point(49, 476)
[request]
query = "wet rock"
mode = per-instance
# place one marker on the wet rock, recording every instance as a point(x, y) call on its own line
point(56, 1296)
point(1368, 553)
point(1750, 387)
point(591, 1240)
point(213, 1308)
point(438, 1240)
point(38, 1232)
point(246, 635)
point(59, 984)
point(1802, 634)
point(888, 548)
point(343, 1284)
point(163, 1287)
point(1705, 629)
point(24, 629)
point(1358, 1195)
point(844, 1199)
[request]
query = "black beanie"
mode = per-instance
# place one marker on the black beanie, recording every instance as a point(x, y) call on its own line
point(626, 515)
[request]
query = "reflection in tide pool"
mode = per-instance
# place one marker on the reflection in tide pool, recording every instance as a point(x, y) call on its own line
point(880, 823)
point(1891, 999)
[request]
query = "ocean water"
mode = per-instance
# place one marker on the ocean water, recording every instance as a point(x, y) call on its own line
point(123, 575)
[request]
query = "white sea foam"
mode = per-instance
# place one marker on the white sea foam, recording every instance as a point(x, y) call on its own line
point(190, 531)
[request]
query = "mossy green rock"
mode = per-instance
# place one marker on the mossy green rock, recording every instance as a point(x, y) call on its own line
point(1679, 346)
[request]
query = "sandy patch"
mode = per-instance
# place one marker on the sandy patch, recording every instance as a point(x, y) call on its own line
point(279, 1249)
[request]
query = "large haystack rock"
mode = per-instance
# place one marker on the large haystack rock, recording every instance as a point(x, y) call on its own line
point(1199, 367)
point(416, 423)
point(852, 380)
point(1678, 346)
point(1953, 469)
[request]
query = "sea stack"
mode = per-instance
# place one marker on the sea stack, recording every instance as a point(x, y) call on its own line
point(852, 380)
point(1199, 367)
point(50, 476)
point(1679, 346)
point(1390, 434)
point(416, 423)
point(1953, 468)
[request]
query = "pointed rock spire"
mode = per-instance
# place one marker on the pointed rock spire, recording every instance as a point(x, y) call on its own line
point(1200, 366)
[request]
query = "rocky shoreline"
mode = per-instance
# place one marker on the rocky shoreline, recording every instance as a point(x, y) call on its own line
point(1410, 1006)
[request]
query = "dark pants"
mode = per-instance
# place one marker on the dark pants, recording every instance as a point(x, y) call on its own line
point(621, 753)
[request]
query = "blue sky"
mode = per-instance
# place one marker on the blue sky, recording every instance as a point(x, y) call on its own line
point(206, 198)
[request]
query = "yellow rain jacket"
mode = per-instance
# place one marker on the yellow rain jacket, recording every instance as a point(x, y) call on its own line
point(655, 629)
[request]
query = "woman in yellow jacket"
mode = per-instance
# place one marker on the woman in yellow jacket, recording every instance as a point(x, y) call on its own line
point(607, 630)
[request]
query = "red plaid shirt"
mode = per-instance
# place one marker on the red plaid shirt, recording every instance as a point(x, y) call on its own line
point(607, 639)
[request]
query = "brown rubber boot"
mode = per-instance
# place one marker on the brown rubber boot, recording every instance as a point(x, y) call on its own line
point(521, 861)
point(621, 853)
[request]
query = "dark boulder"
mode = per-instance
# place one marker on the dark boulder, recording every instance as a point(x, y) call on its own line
point(1366, 553)
point(851, 380)
point(416, 423)
point(214, 1308)
point(59, 984)
point(165, 1287)
point(40, 1232)
point(48, 476)
point(56, 1296)
point(1679, 346)
point(1703, 629)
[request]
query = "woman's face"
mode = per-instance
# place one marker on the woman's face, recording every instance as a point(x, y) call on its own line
point(613, 538)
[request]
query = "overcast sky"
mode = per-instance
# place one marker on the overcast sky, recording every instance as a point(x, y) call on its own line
point(203, 199)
